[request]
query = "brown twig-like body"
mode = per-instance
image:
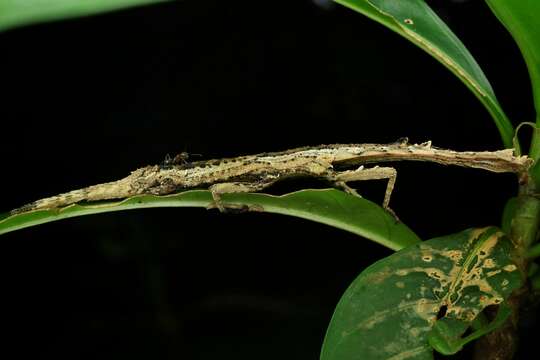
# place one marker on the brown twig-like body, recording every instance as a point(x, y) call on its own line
point(255, 172)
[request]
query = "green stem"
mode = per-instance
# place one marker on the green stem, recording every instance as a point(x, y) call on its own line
point(534, 151)
point(526, 220)
point(501, 344)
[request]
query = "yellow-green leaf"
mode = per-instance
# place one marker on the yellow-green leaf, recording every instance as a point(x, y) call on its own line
point(391, 308)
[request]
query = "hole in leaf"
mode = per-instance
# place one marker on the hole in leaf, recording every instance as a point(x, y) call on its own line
point(442, 312)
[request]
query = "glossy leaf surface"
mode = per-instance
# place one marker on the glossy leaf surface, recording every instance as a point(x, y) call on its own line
point(445, 337)
point(392, 307)
point(520, 17)
point(328, 206)
point(23, 12)
point(414, 20)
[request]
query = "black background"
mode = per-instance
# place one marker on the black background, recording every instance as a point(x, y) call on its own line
point(88, 100)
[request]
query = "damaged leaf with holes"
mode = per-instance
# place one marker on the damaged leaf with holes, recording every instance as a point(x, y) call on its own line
point(391, 309)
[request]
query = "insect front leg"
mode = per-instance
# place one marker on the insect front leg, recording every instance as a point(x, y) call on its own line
point(234, 187)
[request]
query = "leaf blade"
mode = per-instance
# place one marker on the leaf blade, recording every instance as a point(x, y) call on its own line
point(327, 206)
point(414, 20)
point(392, 306)
point(520, 18)
point(14, 13)
point(440, 337)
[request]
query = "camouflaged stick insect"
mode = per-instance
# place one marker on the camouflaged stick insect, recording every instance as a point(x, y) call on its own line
point(253, 173)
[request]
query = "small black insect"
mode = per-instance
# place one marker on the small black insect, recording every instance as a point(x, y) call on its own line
point(402, 141)
point(179, 159)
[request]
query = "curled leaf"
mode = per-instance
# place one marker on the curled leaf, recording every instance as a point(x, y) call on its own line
point(445, 337)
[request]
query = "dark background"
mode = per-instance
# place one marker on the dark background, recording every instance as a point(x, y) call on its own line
point(88, 100)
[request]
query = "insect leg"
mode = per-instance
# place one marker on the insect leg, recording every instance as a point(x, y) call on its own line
point(340, 179)
point(234, 187)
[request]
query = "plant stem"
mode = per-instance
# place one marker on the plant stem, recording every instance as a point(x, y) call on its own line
point(534, 152)
point(501, 344)
point(525, 222)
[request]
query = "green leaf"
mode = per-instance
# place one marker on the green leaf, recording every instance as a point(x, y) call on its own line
point(533, 252)
point(328, 206)
point(520, 17)
point(445, 337)
point(23, 12)
point(414, 20)
point(391, 308)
